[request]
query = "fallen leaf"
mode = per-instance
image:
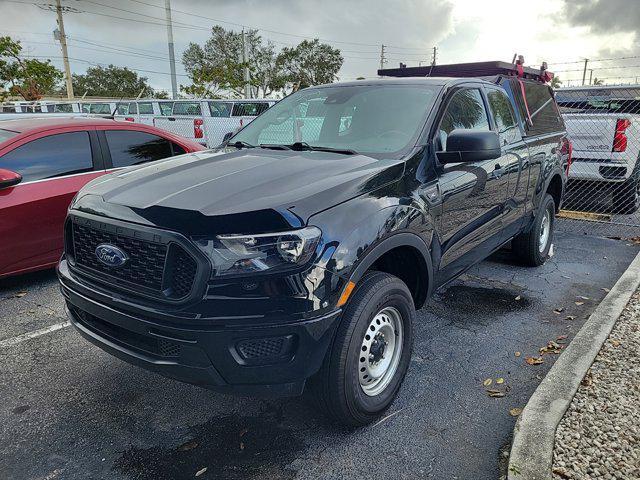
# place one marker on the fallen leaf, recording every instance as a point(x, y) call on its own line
point(558, 310)
point(551, 347)
point(190, 445)
point(495, 393)
point(606, 290)
point(500, 381)
point(518, 298)
point(241, 446)
point(517, 354)
point(201, 471)
point(487, 382)
point(514, 412)
point(579, 303)
point(569, 317)
point(561, 337)
point(615, 343)
point(587, 380)
point(534, 360)
point(20, 294)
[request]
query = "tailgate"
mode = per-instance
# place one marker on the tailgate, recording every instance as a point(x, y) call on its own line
point(591, 133)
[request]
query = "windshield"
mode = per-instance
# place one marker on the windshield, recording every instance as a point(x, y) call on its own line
point(374, 119)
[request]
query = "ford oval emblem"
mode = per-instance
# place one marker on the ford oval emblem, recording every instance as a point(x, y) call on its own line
point(111, 255)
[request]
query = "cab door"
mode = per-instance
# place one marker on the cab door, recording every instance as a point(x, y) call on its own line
point(473, 194)
point(514, 162)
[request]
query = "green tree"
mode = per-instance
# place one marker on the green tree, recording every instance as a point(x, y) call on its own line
point(111, 81)
point(556, 82)
point(27, 77)
point(217, 67)
point(310, 63)
point(597, 81)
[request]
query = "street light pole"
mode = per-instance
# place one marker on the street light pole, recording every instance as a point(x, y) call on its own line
point(172, 56)
point(65, 55)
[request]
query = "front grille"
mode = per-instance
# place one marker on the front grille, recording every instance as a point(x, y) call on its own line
point(162, 270)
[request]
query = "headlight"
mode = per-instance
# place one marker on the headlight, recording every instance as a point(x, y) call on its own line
point(245, 254)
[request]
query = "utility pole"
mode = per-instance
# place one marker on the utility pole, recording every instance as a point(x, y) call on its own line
point(172, 55)
point(584, 72)
point(382, 59)
point(245, 58)
point(433, 58)
point(590, 75)
point(65, 55)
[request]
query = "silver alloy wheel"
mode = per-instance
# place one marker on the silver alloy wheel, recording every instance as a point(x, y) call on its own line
point(545, 231)
point(380, 351)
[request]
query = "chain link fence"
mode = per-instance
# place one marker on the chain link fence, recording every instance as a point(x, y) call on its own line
point(603, 193)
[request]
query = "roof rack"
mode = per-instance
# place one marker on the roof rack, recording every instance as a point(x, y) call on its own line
point(473, 69)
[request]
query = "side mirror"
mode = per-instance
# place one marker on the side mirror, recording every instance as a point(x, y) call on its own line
point(9, 178)
point(470, 146)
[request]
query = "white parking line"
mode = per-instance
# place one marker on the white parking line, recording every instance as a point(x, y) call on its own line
point(9, 342)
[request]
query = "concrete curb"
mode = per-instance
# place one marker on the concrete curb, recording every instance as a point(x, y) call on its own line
point(534, 434)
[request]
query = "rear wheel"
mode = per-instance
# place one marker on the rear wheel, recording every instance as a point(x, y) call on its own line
point(626, 200)
point(364, 368)
point(533, 247)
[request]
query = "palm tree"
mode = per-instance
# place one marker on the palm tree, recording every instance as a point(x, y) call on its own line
point(556, 82)
point(597, 81)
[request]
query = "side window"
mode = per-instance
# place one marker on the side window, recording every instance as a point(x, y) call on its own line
point(85, 108)
point(133, 108)
point(249, 109)
point(220, 109)
point(465, 111)
point(145, 108)
point(187, 108)
point(123, 109)
point(50, 157)
point(166, 108)
point(539, 110)
point(504, 117)
point(129, 147)
point(100, 108)
point(66, 108)
point(177, 149)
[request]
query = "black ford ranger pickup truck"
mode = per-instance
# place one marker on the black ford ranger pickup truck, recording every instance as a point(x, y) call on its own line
point(296, 254)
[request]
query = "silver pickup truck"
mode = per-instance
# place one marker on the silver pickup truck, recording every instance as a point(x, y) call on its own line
point(603, 123)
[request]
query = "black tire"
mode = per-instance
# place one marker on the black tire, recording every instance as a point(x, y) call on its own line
point(336, 388)
point(526, 246)
point(626, 197)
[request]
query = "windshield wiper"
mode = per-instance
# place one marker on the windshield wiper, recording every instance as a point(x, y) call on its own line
point(275, 146)
point(241, 144)
point(303, 146)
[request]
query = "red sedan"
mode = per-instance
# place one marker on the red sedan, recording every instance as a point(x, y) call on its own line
point(45, 161)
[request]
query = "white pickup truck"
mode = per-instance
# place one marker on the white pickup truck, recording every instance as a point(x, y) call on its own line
point(207, 121)
point(603, 123)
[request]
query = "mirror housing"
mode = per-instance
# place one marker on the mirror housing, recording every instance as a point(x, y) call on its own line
point(9, 178)
point(464, 146)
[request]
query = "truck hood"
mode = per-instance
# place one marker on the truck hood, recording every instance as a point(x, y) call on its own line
point(288, 184)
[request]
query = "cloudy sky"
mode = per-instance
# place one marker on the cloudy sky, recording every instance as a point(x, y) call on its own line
point(132, 33)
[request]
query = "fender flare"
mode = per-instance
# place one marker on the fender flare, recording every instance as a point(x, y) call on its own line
point(400, 239)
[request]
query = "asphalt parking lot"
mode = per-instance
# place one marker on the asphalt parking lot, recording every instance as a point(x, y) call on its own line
point(70, 411)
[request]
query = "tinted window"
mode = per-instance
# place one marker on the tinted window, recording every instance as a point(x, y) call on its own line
point(503, 116)
point(186, 108)
point(539, 111)
point(9, 109)
point(465, 111)
point(220, 109)
point(145, 108)
point(249, 109)
point(63, 108)
point(48, 157)
point(177, 149)
point(166, 108)
point(100, 108)
point(131, 148)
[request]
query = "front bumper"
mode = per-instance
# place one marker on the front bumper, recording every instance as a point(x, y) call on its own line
point(274, 359)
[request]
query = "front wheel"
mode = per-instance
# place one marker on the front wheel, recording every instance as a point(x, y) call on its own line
point(368, 360)
point(533, 247)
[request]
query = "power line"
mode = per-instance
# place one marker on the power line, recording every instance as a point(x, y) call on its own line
point(81, 60)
